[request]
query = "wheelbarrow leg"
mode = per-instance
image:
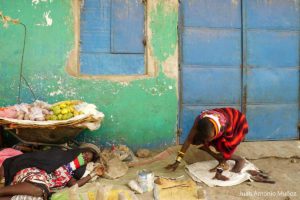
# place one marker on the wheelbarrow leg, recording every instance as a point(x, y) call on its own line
point(23, 147)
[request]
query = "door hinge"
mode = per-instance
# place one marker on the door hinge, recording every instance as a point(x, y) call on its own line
point(144, 41)
point(179, 132)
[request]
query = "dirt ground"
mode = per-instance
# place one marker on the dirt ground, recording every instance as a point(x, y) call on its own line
point(280, 159)
point(286, 173)
point(284, 169)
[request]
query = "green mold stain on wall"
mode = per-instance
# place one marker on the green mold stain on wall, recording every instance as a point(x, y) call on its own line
point(140, 113)
point(164, 20)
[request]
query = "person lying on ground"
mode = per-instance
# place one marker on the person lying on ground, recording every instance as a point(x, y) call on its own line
point(222, 128)
point(38, 173)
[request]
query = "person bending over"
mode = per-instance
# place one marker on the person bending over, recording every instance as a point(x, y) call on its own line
point(222, 128)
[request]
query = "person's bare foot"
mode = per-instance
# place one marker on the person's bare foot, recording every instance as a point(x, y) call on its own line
point(219, 175)
point(222, 165)
point(239, 164)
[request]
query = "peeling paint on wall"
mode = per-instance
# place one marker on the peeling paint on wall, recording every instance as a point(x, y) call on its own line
point(169, 69)
point(163, 20)
point(35, 2)
point(163, 24)
point(47, 19)
point(235, 2)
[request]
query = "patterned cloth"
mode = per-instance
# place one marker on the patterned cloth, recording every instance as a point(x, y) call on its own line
point(218, 118)
point(75, 164)
point(25, 197)
point(57, 179)
point(233, 128)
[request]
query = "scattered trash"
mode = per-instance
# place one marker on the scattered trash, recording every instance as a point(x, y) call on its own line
point(145, 179)
point(94, 191)
point(163, 155)
point(169, 178)
point(166, 189)
point(112, 158)
point(122, 152)
point(143, 183)
point(143, 153)
point(115, 168)
point(201, 193)
point(135, 186)
point(120, 194)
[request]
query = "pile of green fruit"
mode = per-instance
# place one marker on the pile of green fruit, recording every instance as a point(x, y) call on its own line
point(63, 111)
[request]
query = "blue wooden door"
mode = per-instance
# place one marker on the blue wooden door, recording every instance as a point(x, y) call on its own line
point(271, 68)
point(229, 59)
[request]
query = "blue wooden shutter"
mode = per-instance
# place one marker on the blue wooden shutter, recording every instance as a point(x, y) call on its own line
point(111, 38)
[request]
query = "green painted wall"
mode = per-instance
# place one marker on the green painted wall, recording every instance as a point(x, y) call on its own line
point(139, 113)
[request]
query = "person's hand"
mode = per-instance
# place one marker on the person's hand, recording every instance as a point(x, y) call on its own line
point(173, 166)
point(95, 169)
point(99, 170)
